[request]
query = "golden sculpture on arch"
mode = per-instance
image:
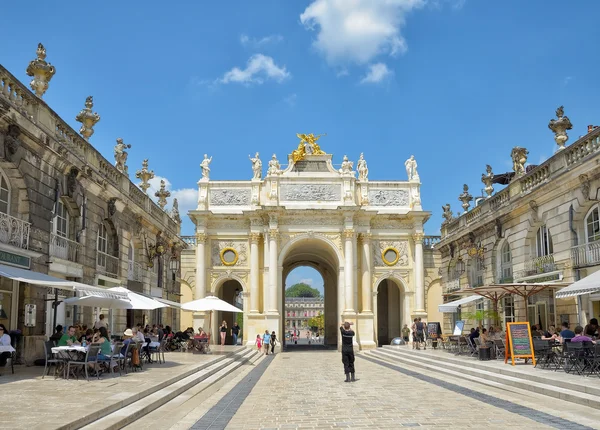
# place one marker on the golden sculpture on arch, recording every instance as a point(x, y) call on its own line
point(308, 146)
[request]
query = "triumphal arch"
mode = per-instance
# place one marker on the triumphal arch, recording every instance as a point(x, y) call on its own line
point(364, 237)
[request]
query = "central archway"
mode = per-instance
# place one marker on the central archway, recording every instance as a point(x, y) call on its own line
point(322, 255)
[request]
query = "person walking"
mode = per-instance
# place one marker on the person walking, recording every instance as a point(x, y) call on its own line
point(235, 332)
point(258, 343)
point(266, 342)
point(413, 328)
point(405, 333)
point(347, 351)
point(273, 342)
point(420, 334)
point(223, 332)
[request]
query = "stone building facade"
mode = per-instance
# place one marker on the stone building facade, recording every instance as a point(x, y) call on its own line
point(299, 310)
point(364, 237)
point(69, 213)
point(540, 229)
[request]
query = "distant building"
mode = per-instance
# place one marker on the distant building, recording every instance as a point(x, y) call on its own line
point(298, 310)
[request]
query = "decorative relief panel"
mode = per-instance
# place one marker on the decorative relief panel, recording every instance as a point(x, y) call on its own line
point(388, 197)
point(225, 197)
point(310, 192)
point(310, 219)
point(399, 247)
point(390, 223)
point(222, 250)
point(228, 224)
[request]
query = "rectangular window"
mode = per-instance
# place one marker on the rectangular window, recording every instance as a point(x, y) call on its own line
point(61, 220)
point(509, 309)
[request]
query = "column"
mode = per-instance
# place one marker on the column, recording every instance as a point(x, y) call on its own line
point(348, 269)
point(366, 273)
point(200, 266)
point(265, 278)
point(419, 281)
point(254, 272)
point(273, 284)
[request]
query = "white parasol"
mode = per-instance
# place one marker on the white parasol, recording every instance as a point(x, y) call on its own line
point(210, 304)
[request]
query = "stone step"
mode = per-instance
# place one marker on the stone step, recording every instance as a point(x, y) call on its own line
point(184, 407)
point(485, 377)
point(136, 410)
point(117, 401)
point(587, 385)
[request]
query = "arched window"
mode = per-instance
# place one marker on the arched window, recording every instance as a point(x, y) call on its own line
point(4, 194)
point(592, 225)
point(60, 224)
point(543, 241)
point(505, 263)
point(102, 245)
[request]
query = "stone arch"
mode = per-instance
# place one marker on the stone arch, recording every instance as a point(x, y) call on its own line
point(391, 305)
point(223, 288)
point(308, 236)
point(393, 277)
point(19, 199)
point(216, 285)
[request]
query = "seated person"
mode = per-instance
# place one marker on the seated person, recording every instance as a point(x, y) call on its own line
point(101, 338)
point(483, 338)
point(138, 335)
point(69, 338)
point(57, 334)
point(580, 337)
point(566, 333)
point(4, 341)
point(89, 333)
point(551, 334)
point(127, 339)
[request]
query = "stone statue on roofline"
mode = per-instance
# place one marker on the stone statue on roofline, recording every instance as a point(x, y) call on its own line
point(121, 156)
point(274, 166)
point(204, 165)
point(447, 214)
point(560, 126)
point(519, 158)
point(256, 166)
point(361, 166)
point(346, 166)
point(487, 179)
point(411, 169)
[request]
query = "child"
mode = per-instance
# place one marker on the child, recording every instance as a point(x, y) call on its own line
point(258, 342)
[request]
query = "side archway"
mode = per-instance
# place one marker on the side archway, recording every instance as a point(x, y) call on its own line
point(392, 306)
point(230, 288)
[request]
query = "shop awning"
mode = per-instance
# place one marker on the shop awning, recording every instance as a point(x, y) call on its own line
point(36, 278)
point(588, 285)
point(451, 307)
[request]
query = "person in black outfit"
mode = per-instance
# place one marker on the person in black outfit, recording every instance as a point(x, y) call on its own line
point(347, 351)
point(273, 342)
point(57, 334)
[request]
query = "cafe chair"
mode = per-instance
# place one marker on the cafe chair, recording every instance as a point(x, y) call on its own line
point(50, 360)
point(91, 357)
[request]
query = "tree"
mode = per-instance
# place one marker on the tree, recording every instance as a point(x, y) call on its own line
point(317, 323)
point(481, 315)
point(302, 290)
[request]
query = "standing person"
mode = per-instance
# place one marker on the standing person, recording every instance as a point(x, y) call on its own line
point(4, 341)
point(258, 342)
point(347, 351)
point(101, 322)
point(266, 342)
point(223, 332)
point(413, 328)
point(235, 331)
point(405, 333)
point(420, 334)
point(273, 342)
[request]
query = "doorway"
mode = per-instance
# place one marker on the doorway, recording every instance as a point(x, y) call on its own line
point(389, 311)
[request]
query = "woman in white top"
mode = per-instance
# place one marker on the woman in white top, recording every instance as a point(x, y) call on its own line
point(4, 341)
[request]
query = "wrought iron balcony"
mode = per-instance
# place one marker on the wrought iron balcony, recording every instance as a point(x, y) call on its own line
point(135, 271)
point(14, 231)
point(587, 254)
point(107, 264)
point(537, 266)
point(64, 248)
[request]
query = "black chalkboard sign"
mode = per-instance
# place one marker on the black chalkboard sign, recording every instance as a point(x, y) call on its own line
point(434, 330)
point(519, 342)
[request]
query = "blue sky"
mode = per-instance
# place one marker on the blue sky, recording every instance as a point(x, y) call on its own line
point(457, 83)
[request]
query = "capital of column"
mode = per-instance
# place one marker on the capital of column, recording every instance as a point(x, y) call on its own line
point(254, 238)
point(201, 237)
point(418, 237)
point(349, 233)
point(365, 237)
point(274, 233)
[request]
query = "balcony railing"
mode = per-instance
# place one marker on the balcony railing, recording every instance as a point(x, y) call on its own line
point(586, 255)
point(504, 277)
point(64, 248)
point(14, 231)
point(453, 285)
point(189, 240)
point(430, 241)
point(537, 266)
point(107, 264)
point(135, 271)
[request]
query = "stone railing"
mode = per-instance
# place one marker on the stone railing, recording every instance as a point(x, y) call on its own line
point(537, 266)
point(190, 241)
point(64, 248)
point(15, 92)
point(536, 177)
point(107, 264)
point(14, 231)
point(587, 145)
point(473, 214)
point(498, 200)
point(430, 241)
point(135, 271)
point(587, 254)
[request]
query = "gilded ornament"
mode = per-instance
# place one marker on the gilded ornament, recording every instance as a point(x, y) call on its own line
point(308, 146)
point(201, 237)
point(229, 256)
point(254, 237)
point(390, 256)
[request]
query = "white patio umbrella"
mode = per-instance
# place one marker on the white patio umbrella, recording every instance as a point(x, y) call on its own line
point(209, 303)
point(100, 302)
point(138, 301)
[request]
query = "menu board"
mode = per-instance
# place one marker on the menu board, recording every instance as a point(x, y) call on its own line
point(518, 342)
point(434, 330)
point(458, 328)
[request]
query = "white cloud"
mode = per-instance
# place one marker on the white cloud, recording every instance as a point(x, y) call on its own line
point(252, 42)
point(307, 281)
point(187, 198)
point(377, 73)
point(291, 100)
point(358, 30)
point(258, 69)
